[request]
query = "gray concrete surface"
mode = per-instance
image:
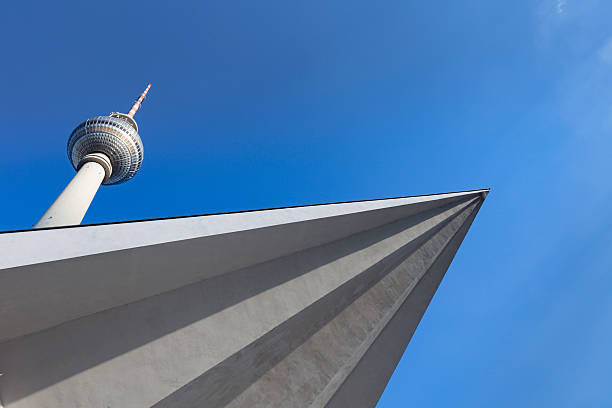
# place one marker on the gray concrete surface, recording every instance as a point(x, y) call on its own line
point(307, 306)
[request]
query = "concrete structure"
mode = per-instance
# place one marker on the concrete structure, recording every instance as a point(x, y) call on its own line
point(103, 150)
point(293, 307)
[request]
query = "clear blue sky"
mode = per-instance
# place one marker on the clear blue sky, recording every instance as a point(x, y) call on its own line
point(274, 103)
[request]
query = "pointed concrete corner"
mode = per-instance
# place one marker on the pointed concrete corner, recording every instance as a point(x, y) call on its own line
point(306, 306)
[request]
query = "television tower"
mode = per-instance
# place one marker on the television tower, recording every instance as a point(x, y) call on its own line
point(103, 150)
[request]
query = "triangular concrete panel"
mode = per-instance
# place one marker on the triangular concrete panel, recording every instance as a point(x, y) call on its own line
point(296, 307)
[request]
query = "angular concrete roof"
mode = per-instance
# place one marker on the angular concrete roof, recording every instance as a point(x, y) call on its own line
point(235, 309)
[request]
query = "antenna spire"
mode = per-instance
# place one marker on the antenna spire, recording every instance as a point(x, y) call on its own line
point(136, 105)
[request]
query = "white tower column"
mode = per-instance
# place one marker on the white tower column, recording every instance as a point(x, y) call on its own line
point(72, 204)
point(103, 150)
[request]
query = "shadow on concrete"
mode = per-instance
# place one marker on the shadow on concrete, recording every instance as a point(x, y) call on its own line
point(222, 383)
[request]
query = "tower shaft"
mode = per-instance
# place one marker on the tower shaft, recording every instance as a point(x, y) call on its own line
point(71, 205)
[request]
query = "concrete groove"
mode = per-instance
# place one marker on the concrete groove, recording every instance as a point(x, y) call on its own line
point(216, 397)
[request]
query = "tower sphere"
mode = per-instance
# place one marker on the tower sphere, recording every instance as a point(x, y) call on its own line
point(116, 136)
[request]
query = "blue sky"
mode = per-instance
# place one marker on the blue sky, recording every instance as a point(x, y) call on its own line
point(275, 103)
